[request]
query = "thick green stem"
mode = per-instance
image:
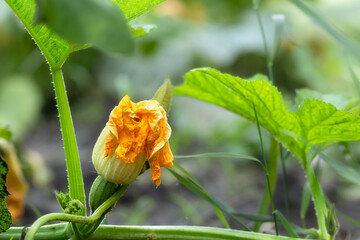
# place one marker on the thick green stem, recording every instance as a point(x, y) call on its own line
point(177, 232)
point(271, 183)
point(76, 188)
point(76, 185)
point(318, 199)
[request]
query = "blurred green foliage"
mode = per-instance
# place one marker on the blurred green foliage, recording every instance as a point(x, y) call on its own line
point(70, 19)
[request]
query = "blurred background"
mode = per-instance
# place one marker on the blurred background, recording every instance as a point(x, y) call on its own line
point(190, 33)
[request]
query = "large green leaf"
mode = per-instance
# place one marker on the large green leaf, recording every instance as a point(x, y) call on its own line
point(55, 48)
point(88, 22)
point(315, 121)
point(134, 8)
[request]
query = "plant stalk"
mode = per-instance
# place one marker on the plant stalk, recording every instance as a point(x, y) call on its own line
point(107, 232)
point(318, 199)
point(177, 232)
point(76, 184)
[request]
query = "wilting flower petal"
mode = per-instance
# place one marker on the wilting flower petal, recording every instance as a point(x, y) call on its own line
point(135, 132)
point(15, 183)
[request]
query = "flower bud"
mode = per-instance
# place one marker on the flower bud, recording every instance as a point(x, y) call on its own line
point(112, 168)
point(163, 95)
point(332, 223)
point(134, 134)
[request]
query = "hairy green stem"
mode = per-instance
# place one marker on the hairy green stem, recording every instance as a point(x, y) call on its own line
point(318, 199)
point(71, 152)
point(76, 185)
point(74, 218)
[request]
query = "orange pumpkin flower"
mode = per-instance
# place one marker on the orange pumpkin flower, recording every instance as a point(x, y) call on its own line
point(135, 132)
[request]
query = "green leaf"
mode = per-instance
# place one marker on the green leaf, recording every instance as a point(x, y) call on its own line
point(54, 48)
point(134, 8)
point(323, 123)
point(88, 22)
point(338, 100)
point(138, 30)
point(221, 217)
point(316, 121)
point(5, 216)
point(5, 133)
point(287, 225)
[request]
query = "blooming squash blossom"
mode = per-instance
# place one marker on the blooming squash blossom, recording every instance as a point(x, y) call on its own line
point(135, 132)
